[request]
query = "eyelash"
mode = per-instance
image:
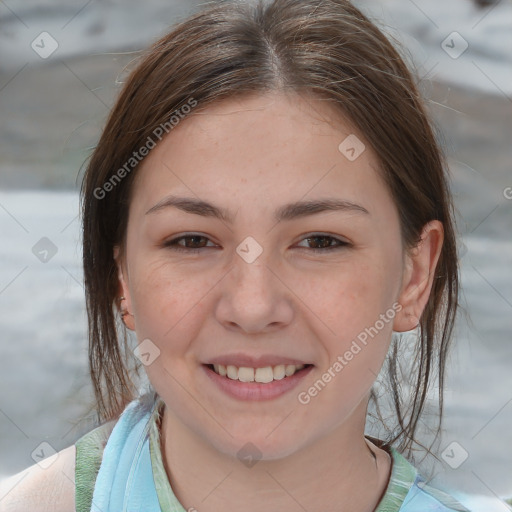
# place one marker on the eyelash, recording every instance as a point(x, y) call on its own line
point(173, 244)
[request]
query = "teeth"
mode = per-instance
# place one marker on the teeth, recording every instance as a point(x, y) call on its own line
point(262, 375)
point(232, 372)
point(289, 369)
point(279, 372)
point(246, 374)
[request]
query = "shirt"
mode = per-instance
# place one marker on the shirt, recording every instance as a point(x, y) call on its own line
point(119, 468)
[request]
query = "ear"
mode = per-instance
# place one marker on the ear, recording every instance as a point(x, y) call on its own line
point(418, 277)
point(124, 291)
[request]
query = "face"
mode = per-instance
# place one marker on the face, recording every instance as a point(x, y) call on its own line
point(250, 276)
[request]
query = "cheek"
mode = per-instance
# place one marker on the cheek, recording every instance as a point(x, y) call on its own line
point(165, 303)
point(167, 308)
point(349, 298)
point(356, 304)
point(357, 308)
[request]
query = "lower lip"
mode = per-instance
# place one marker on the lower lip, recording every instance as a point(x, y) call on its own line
point(256, 391)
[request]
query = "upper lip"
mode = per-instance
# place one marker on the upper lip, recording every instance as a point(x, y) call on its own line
point(246, 360)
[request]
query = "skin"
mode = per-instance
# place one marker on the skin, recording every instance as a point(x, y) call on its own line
point(251, 155)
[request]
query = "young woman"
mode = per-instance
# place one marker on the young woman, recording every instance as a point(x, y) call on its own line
point(267, 210)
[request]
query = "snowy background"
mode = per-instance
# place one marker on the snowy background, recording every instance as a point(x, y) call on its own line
point(52, 110)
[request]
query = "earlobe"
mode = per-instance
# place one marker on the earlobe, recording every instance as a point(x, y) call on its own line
point(421, 263)
point(124, 299)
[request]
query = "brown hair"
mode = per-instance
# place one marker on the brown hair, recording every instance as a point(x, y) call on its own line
point(326, 48)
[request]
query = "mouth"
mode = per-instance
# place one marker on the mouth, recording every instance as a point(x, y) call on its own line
point(264, 375)
point(256, 384)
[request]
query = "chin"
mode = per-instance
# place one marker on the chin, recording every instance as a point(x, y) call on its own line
point(256, 446)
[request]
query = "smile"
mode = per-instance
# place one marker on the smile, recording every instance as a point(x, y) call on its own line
point(261, 375)
point(254, 384)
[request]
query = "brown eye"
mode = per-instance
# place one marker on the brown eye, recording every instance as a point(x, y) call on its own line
point(192, 243)
point(324, 243)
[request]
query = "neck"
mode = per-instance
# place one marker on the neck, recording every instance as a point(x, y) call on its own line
point(340, 471)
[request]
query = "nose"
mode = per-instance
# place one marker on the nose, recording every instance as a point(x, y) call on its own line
point(254, 298)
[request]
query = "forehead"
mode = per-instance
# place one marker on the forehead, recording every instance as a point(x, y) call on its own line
point(255, 150)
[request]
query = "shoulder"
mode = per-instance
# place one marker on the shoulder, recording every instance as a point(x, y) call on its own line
point(65, 482)
point(42, 487)
point(61, 482)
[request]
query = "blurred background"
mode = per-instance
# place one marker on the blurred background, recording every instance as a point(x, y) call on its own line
point(61, 64)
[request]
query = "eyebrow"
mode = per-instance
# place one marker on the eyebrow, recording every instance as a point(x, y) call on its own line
point(287, 212)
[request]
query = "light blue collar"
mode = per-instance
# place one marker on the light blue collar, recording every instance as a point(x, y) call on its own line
point(125, 479)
